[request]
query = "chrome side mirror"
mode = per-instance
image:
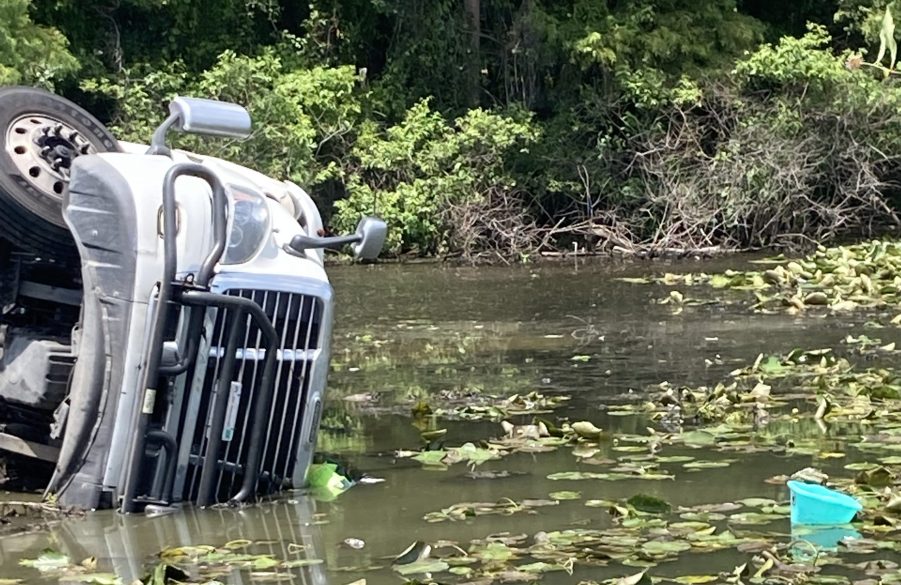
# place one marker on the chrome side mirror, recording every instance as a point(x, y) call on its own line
point(202, 116)
point(366, 242)
point(372, 232)
point(210, 117)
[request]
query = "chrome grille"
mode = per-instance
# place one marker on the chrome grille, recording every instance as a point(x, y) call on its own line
point(297, 320)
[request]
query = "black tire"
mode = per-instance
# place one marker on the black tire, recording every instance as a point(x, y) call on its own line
point(33, 183)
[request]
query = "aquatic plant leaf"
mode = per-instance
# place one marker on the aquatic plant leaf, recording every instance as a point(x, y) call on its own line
point(472, 454)
point(771, 366)
point(695, 579)
point(709, 464)
point(575, 475)
point(417, 551)
point(582, 475)
point(179, 552)
point(720, 281)
point(504, 507)
point(539, 567)
point(754, 518)
point(48, 560)
point(664, 547)
point(462, 571)
point(757, 502)
point(511, 576)
point(495, 551)
point(862, 466)
point(431, 458)
point(93, 579)
point(565, 495)
point(423, 566)
point(586, 429)
point(636, 579)
point(702, 516)
point(585, 451)
point(698, 438)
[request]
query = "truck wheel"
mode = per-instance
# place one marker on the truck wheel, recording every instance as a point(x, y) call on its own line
point(41, 135)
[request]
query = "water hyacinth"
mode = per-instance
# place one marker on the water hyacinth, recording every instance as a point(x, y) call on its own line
point(838, 279)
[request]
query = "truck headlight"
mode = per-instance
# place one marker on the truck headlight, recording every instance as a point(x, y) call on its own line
point(250, 225)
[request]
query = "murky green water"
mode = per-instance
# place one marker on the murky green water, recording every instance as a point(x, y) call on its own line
point(407, 333)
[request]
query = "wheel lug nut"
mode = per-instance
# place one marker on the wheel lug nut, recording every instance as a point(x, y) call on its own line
point(85, 148)
point(74, 136)
point(59, 129)
point(45, 151)
point(45, 130)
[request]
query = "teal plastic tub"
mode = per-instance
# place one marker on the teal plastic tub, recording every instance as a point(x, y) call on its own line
point(824, 537)
point(813, 504)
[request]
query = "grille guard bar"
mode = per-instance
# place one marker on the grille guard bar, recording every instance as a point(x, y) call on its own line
point(195, 296)
point(252, 471)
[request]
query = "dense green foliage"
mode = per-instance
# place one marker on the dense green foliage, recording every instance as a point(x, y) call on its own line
point(512, 126)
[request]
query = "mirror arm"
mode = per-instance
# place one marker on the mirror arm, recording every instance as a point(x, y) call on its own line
point(158, 142)
point(299, 243)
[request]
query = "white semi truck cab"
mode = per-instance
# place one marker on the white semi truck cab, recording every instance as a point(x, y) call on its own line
point(167, 323)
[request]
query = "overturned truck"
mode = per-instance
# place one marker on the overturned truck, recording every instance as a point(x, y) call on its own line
point(166, 317)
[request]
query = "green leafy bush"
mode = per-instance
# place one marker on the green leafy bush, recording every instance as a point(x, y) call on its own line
point(31, 54)
point(304, 119)
point(651, 125)
point(413, 173)
point(793, 63)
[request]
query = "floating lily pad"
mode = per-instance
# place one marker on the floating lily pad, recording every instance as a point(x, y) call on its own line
point(575, 475)
point(757, 502)
point(495, 551)
point(753, 518)
point(709, 464)
point(674, 459)
point(695, 579)
point(665, 547)
point(599, 503)
point(699, 438)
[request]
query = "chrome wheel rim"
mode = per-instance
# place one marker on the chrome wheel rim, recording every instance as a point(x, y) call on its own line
point(42, 149)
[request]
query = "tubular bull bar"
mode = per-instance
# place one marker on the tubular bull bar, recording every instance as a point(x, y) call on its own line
point(192, 296)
